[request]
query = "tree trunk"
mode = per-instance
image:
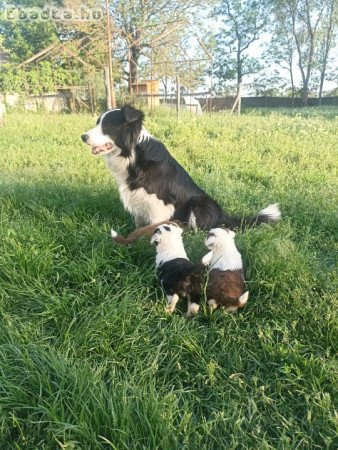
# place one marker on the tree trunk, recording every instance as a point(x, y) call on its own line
point(107, 86)
point(239, 96)
point(165, 87)
point(292, 88)
point(327, 46)
point(290, 69)
point(133, 65)
point(321, 84)
point(305, 94)
point(239, 83)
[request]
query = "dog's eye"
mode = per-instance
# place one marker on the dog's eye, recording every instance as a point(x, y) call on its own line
point(157, 230)
point(167, 228)
point(211, 235)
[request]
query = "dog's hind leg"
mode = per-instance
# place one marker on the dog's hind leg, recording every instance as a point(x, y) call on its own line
point(213, 304)
point(193, 308)
point(204, 212)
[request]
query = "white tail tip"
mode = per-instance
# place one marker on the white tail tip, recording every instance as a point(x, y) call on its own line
point(243, 298)
point(271, 211)
point(113, 233)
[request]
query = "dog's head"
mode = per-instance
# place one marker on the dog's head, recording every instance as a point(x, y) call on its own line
point(219, 237)
point(167, 235)
point(116, 130)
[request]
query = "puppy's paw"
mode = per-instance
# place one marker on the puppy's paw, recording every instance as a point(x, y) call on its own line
point(207, 259)
point(193, 309)
point(213, 305)
point(169, 309)
point(171, 305)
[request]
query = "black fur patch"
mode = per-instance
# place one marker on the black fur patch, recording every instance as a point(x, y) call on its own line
point(123, 126)
point(181, 276)
point(155, 170)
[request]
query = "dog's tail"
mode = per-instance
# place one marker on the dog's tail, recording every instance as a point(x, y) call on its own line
point(119, 239)
point(243, 299)
point(232, 304)
point(270, 214)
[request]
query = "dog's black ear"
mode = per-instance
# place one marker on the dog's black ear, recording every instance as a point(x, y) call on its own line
point(132, 114)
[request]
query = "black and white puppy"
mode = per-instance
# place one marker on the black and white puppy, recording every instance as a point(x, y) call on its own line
point(153, 186)
point(179, 277)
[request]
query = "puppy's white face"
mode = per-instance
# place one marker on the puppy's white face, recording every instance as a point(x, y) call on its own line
point(219, 237)
point(101, 138)
point(166, 236)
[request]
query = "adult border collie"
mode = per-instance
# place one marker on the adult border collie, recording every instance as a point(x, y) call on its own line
point(153, 186)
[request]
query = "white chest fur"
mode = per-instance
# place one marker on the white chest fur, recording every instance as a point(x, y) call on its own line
point(146, 208)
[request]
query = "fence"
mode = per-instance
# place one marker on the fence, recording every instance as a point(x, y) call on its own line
point(66, 101)
point(222, 103)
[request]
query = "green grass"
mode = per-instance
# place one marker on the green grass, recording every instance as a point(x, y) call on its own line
point(88, 357)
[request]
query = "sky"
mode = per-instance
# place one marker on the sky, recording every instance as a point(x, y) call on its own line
point(257, 49)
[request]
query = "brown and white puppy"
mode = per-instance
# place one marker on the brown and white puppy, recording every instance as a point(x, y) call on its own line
point(226, 276)
point(139, 233)
point(179, 277)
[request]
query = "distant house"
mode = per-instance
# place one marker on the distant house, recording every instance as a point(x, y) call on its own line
point(148, 89)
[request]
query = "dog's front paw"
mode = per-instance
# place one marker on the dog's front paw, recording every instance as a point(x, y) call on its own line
point(207, 259)
point(169, 309)
point(171, 305)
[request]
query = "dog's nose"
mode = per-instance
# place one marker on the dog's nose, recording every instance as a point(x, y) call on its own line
point(84, 137)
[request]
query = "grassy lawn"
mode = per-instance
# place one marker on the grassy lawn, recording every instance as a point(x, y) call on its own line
point(88, 357)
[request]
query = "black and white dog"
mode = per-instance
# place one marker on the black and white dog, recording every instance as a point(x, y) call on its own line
point(179, 276)
point(153, 186)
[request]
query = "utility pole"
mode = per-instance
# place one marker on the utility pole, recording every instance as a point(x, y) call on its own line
point(178, 99)
point(111, 101)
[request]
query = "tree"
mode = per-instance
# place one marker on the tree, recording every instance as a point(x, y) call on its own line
point(307, 21)
point(242, 23)
point(305, 17)
point(23, 38)
point(269, 84)
point(75, 46)
point(281, 49)
point(171, 59)
point(139, 23)
point(326, 41)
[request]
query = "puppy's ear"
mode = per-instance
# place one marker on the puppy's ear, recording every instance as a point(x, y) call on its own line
point(132, 114)
point(209, 242)
point(231, 233)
